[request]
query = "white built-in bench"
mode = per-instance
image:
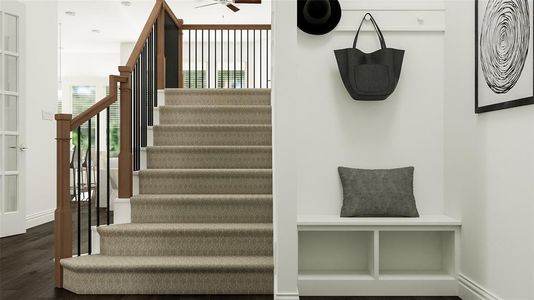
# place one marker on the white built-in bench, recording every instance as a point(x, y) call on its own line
point(378, 256)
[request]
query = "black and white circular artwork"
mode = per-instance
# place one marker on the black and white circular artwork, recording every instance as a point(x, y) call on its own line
point(504, 43)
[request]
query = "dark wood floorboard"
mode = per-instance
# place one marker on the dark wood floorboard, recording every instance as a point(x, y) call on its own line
point(26, 272)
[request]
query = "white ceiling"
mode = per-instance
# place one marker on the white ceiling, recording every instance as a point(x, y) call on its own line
point(118, 23)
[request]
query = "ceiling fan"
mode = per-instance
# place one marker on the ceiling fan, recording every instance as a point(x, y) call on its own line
point(230, 3)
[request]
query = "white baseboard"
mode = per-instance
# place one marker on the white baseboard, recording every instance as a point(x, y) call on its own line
point(470, 290)
point(286, 296)
point(123, 211)
point(161, 97)
point(95, 240)
point(39, 218)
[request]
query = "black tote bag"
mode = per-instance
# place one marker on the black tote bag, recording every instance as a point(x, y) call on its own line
point(370, 76)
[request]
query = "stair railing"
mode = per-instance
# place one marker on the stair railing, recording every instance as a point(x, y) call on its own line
point(226, 56)
point(151, 66)
point(156, 63)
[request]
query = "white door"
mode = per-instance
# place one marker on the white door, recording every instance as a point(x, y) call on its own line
point(12, 210)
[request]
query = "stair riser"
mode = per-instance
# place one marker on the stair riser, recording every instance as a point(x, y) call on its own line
point(188, 136)
point(191, 282)
point(202, 183)
point(209, 159)
point(238, 97)
point(188, 244)
point(215, 115)
point(211, 212)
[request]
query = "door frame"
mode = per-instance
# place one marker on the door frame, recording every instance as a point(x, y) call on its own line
point(13, 223)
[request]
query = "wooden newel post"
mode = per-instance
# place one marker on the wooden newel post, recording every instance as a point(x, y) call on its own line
point(63, 215)
point(125, 155)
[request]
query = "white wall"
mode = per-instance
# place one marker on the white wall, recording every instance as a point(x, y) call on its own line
point(489, 173)
point(41, 95)
point(405, 130)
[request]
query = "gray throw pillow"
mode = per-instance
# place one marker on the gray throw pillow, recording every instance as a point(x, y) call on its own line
point(378, 193)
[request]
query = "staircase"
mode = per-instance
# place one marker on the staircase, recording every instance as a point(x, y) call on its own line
point(202, 221)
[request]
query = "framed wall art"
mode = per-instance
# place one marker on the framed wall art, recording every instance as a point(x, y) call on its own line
point(504, 54)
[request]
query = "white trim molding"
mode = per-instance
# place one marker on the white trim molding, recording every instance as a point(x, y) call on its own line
point(471, 290)
point(286, 296)
point(122, 212)
point(39, 218)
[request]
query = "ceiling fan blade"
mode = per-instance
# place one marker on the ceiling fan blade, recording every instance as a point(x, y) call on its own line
point(247, 1)
point(205, 5)
point(232, 7)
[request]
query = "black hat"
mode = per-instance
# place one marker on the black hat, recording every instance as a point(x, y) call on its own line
point(318, 16)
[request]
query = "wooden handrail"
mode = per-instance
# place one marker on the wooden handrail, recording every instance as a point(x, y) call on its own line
point(226, 26)
point(177, 22)
point(100, 105)
point(160, 6)
point(136, 52)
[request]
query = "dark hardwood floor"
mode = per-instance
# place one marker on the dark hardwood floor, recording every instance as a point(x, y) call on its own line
point(26, 270)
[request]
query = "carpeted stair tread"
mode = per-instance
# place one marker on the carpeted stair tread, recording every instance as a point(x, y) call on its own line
point(217, 96)
point(201, 208)
point(185, 229)
point(213, 114)
point(212, 135)
point(209, 157)
point(103, 263)
point(98, 274)
point(205, 181)
point(186, 239)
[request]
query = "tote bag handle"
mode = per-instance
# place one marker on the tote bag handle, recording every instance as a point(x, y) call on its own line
point(377, 30)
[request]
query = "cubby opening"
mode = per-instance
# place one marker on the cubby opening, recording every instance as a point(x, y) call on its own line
point(336, 254)
point(416, 254)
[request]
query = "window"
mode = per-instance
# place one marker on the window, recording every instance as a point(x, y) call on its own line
point(83, 96)
point(114, 125)
point(191, 76)
point(230, 79)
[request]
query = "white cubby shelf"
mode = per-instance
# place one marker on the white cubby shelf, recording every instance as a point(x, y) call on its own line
point(378, 256)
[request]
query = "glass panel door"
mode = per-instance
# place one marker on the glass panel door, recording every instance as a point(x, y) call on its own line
point(12, 210)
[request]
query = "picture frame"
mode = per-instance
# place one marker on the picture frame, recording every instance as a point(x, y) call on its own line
point(504, 54)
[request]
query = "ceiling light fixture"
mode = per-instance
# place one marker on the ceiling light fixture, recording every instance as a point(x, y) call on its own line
point(126, 3)
point(70, 13)
point(95, 31)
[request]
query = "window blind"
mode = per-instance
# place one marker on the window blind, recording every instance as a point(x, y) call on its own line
point(230, 79)
point(190, 76)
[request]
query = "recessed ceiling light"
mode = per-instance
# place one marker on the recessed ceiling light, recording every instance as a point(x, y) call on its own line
point(126, 3)
point(95, 31)
point(70, 13)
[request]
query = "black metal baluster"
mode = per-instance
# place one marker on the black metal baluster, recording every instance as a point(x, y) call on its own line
point(248, 52)
point(150, 82)
point(108, 177)
point(261, 60)
point(209, 54)
point(79, 208)
point(89, 187)
point(254, 58)
point(134, 92)
point(155, 30)
point(228, 58)
point(241, 57)
point(222, 60)
point(215, 56)
point(98, 169)
point(202, 60)
point(189, 67)
point(235, 79)
point(196, 60)
point(267, 58)
point(144, 110)
point(138, 116)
